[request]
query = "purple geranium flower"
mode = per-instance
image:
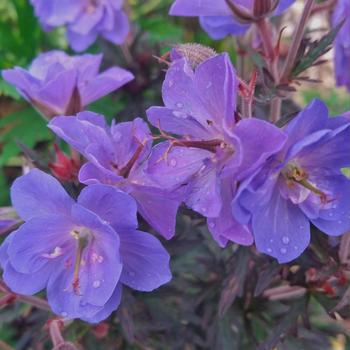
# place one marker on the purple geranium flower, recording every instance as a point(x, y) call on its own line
point(82, 252)
point(302, 182)
point(58, 84)
point(214, 152)
point(85, 20)
point(216, 17)
point(117, 155)
point(342, 44)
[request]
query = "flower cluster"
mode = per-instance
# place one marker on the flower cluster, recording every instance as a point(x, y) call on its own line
point(85, 20)
point(224, 17)
point(252, 181)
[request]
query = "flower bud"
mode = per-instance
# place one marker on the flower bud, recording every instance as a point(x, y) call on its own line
point(194, 53)
point(259, 10)
point(64, 167)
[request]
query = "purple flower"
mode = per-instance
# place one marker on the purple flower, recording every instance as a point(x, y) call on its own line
point(117, 155)
point(216, 18)
point(82, 252)
point(214, 152)
point(58, 84)
point(85, 20)
point(302, 183)
point(342, 43)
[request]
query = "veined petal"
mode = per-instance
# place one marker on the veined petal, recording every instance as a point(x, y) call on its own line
point(29, 195)
point(204, 192)
point(39, 242)
point(200, 8)
point(216, 83)
point(281, 229)
point(158, 208)
point(111, 205)
point(225, 228)
point(259, 140)
point(104, 83)
point(175, 168)
point(145, 261)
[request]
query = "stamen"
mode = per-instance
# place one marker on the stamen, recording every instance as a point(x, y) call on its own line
point(299, 176)
point(82, 242)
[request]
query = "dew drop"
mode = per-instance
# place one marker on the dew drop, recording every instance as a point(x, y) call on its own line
point(96, 283)
point(64, 314)
point(285, 239)
point(171, 83)
point(269, 250)
point(211, 224)
point(283, 250)
point(204, 210)
point(271, 240)
point(173, 162)
point(178, 114)
point(209, 85)
point(179, 105)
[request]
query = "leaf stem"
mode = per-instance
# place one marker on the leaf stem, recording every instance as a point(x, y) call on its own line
point(297, 38)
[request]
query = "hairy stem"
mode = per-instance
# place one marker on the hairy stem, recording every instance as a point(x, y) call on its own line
point(272, 63)
point(297, 38)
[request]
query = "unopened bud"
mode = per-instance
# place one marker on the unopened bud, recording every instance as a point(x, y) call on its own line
point(194, 53)
point(64, 167)
point(263, 8)
point(259, 10)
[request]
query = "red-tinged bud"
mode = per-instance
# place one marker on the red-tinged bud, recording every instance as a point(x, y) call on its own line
point(101, 330)
point(7, 300)
point(328, 289)
point(64, 167)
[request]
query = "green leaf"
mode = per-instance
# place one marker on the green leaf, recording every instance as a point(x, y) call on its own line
point(315, 51)
point(8, 90)
point(25, 126)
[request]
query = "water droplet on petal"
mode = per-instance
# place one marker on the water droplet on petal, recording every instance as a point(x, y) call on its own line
point(209, 85)
point(211, 224)
point(96, 283)
point(178, 114)
point(173, 162)
point(283, 250)
point(64, 314)
point(171, 83)
point(179, 105)
point(269, 250)
point(204, 210)
point(285, 239)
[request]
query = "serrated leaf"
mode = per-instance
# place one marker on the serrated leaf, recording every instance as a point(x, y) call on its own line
point(284, 325)
point(315, 51)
